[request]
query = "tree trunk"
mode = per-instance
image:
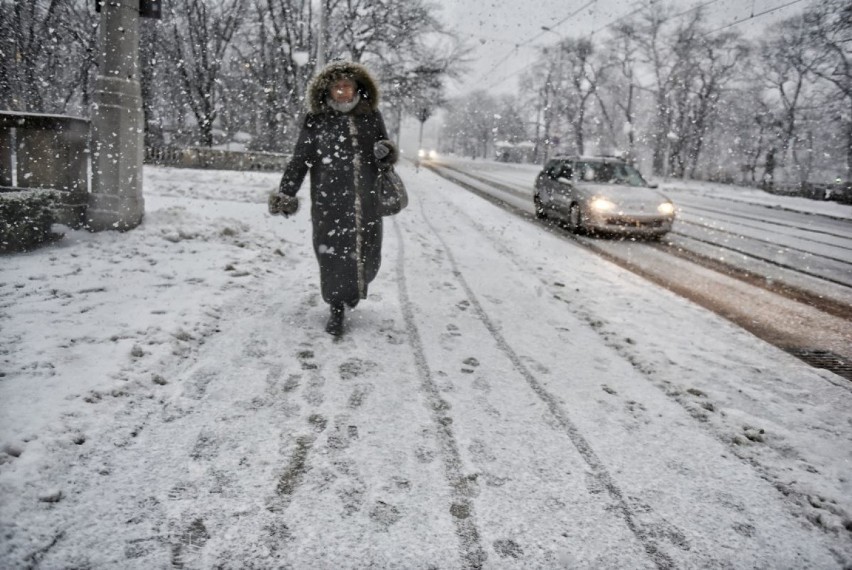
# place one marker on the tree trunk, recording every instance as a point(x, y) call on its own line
point(658, 163)
point(849, 148)
point(631, 136)
point(699, 131)
point(578, 132)
point(768, 181)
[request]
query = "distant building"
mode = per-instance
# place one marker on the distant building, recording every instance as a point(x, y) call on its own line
point(523, 151)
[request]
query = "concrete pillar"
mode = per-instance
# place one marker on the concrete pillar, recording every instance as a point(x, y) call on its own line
point(116, 201)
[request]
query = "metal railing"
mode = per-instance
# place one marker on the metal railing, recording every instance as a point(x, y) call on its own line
point(200, 157)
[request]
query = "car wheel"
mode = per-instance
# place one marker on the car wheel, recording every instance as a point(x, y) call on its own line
point(575, 219)
point(539, 208)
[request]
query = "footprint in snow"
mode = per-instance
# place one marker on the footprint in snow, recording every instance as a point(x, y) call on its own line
point(384, 514)
point(356, 367)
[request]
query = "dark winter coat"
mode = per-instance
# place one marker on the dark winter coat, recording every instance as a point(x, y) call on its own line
point(337, 149)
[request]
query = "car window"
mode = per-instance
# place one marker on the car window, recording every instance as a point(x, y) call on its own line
point(552, 168)
point(610, 173)
point(631, 176)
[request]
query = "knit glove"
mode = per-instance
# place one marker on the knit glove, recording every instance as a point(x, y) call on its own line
point(381, 150)
point(282, 204)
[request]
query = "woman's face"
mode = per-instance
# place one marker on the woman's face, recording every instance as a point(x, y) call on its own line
point(343, 90)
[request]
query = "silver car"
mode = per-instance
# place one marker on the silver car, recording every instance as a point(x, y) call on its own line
point(603, 195)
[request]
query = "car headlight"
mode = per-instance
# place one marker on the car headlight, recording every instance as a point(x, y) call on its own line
point(421, 153)
point(666, 208)
point(602, 205)
point(433, 154)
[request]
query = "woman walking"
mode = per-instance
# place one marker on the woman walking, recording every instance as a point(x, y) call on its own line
point(343, 143)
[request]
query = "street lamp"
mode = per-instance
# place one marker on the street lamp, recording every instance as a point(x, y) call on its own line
point(547, 110)
point(422, 115)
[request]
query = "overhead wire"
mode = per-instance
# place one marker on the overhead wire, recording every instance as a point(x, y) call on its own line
point(753, 16)
point(627, 15)
point(560, 22)
point(610, 24)
point(535, 37)
point(698, 7)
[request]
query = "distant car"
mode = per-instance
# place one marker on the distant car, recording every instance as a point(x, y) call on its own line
point(601, 195)
point(423, 154)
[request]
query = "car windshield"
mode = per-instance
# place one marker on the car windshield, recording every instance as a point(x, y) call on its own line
point(610, 172)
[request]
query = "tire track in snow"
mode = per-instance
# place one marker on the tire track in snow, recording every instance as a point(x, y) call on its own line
point(793, 497)
point(660, 558)
point(464, 519)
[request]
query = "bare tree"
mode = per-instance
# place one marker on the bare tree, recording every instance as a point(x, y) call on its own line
point(715, 68)
point(154, 78)
point(545, 84)
point(511, 124)
point(666, 64)
point(788, 64)
point(757, 128)
point(275, 51)
point(830, 26)
point(413, 81)
point(471, 123)
point(405, 42)
point(583, 72)
point(80, 25)
point(534, 86)
point(379, 27)
point(30, 35)
point(202, 31)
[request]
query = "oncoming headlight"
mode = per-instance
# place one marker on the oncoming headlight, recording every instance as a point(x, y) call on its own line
point(602, 205)
point(666, 208)
point(433, 154)
point(421, 153)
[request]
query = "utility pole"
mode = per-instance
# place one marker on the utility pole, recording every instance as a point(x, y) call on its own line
point(323, 27)
point(116, 201)
point(548, 110)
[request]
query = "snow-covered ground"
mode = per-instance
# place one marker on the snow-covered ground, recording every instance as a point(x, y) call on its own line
point(502, 399)
point(757, 196)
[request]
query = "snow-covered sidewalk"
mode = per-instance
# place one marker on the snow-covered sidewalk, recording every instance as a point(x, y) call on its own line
point(503, 400)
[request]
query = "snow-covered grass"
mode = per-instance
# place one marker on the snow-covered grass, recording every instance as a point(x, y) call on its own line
point(756, 196)
point(168, 398)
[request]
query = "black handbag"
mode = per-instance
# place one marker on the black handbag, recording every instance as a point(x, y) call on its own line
point(390, 190)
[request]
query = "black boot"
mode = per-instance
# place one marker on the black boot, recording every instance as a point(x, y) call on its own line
point(334, 326)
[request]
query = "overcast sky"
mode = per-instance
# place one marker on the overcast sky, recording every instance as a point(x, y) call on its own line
point(496, 27)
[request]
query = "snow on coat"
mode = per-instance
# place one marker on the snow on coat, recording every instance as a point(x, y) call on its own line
point(337, 149)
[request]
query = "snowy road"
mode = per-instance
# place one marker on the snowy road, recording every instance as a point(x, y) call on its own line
point(780, 268)
point(504, 399)
point(805, 243)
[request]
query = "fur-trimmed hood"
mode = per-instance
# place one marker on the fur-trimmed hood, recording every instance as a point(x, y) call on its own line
point(368, 89)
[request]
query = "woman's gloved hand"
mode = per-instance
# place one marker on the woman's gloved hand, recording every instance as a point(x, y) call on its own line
point(381, 149)
point(282, 204)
